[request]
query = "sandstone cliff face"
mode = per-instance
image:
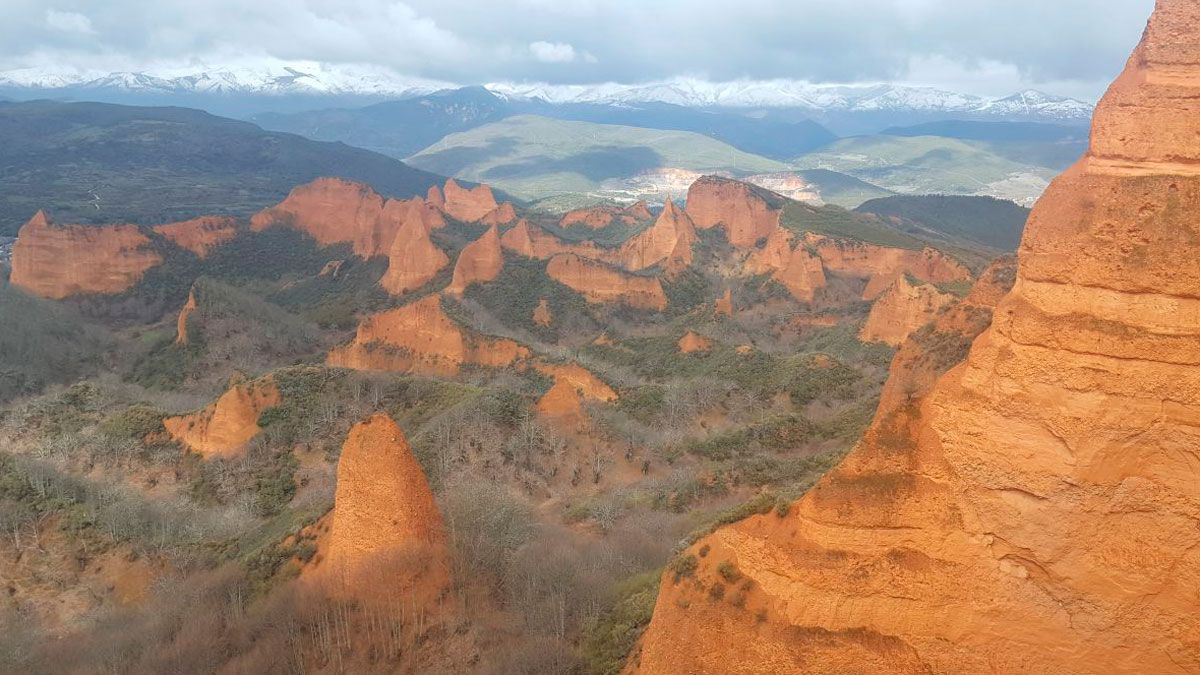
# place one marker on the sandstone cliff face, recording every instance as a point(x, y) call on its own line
point(501, 215)
point(224, 428)
point(532, 241)
point(882, 265)
point(598, 217)
point(386, 530)
point(669, 241)
point(737, 207)
point(413, 260)
point(332, 210)
point(199, 235)
point(600, 283)
point(1036, 511)
point(57, 261)
point(479, 262)
point(468, 205)
point(181, 324)
point(573, 384)
point(420, 338)
point(903, 308)
point(797, 268)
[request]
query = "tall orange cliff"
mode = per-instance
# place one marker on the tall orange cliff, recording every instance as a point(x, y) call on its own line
point(386, 533)
point(669, 240)
point(225, 427)
point(797, 268)
point(882, 265)
point(468, 204)
point(200, 235)
point(333, 210)
point(902, 309)
point(421, 338)
point(600, 283)
point(1035, 510)
point(532, 241)
point(739, 208)
point(185, 313)
point(58, 261)
point(413, 259)
point(479, 262)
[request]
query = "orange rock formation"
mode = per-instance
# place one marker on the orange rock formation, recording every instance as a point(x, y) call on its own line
point(532, 241)
point(882, 265)
point(57, 261)
point(741, 209)
point(501, 215)
point(469, 205)
point(1036, 511)
point(420, 338)
point(903, 308)
point(413, 260)
point(541, 313)
point(479, 262)
point(668, 241)
point(385, 520)
point(601, 283)
point(225, 427)
point(597, 217)
point(333, 210)
point(797, 268)
point(181, 324)
point(199, 235)
point(692, 342)
point(573, 384)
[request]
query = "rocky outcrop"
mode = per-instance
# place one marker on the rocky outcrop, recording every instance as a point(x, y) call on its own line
point(181, 323)
point(199, 235)
point(501, 215)
point(532, 241)
point(692, 343)
point(598, 217)
point(479, 262)
point(742, 210)
point(573, 385)
point(413, 261)
point(224, 428)
point(468, 204)
point(542, 315)
point(797, 267)
point(420, 338)
point(669, 240)
point(1036, 510)
point(58, 261)
point(600, 283)
point(385, 522)
point(333, 210)
point(903, 308)
point(882, 265)
point(724, 304)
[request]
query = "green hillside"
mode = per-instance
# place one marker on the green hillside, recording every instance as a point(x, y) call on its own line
point(986, 221)
point(534, 157)
point(932, 165)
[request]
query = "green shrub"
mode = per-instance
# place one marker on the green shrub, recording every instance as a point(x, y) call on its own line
point(608, 640)
point(135, 422)
point(683, 567)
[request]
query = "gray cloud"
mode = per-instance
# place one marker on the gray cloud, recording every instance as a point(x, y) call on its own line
point(985, 45)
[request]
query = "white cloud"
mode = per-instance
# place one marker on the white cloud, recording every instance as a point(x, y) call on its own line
point(69, 22)
point(552, 52)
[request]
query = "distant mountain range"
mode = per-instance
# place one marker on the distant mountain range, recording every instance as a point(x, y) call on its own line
point(271, 87)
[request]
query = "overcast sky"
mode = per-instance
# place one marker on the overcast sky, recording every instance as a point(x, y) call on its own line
point(1073, 47)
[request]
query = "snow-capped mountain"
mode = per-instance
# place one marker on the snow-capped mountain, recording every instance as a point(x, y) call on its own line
point(291, 78)
point(796, 94)
point(272, 79)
